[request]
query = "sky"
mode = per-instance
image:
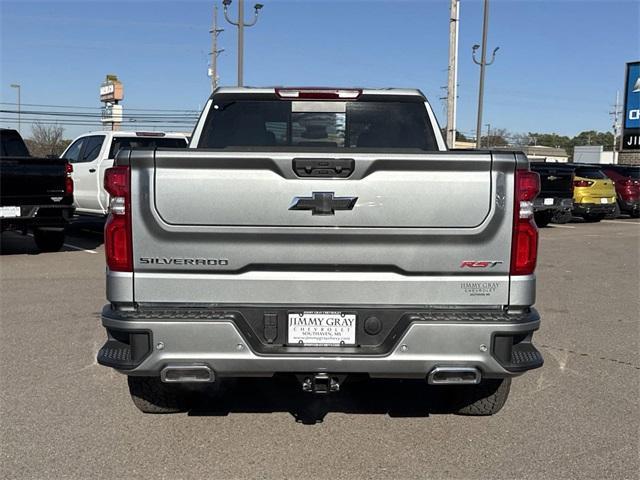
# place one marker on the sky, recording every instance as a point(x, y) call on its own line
point(559, 65)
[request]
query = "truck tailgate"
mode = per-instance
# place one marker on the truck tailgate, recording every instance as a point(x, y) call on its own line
point(30, 180)
point(218, 228)
point(420, 191)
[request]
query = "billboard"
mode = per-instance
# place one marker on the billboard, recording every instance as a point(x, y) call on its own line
point(111, 90)
point(631, 124)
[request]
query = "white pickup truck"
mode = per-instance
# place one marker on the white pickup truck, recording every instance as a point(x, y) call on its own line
point(92, 153)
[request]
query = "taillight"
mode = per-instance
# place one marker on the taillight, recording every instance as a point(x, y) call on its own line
point(582, 183)
point(68, 181)
point(318, 93)
point(628, 182)
point(117, 229)
point(524, 249)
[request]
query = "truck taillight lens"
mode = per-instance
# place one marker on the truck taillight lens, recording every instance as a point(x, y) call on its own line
point(582, 183)
point(524, 250)
point(117, 229)
point(68, 181)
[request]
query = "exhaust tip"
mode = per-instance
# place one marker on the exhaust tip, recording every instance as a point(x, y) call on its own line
point(186, 374)
point(454, 376)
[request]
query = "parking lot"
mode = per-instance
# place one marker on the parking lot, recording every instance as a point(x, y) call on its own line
point(64, 416)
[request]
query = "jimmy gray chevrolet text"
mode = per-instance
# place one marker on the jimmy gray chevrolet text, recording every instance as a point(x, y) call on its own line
point(320, 233)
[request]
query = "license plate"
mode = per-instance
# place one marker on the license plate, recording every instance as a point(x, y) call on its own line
point(548, 201)
point(322, 328)
point(604, 200)
point(9, 212)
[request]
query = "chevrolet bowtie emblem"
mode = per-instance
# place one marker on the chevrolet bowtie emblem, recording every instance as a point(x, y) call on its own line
point(323, 203)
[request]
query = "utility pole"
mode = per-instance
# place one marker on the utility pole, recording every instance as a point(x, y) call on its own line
point(488, 125)
point(483, 63)
point(616, 125)
point(215, 31)
point(452, 84)
point(17, 86)
point(240, 23)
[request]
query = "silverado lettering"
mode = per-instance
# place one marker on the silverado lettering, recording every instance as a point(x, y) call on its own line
point(183, 261)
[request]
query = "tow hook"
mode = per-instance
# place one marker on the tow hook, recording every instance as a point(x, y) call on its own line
point(320, 383)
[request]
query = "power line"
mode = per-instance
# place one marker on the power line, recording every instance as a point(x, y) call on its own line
point(100, 126)
point(189, 117)
point(99, 108)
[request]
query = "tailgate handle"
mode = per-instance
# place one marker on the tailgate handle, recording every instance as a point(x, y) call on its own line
point(323, 167)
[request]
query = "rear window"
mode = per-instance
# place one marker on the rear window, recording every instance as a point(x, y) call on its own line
point(309, 124)
point(11, 145)
point(594, 173)
point(145, 142)
point(633, 172)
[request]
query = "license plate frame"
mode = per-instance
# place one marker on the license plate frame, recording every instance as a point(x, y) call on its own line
point(321, 328)
point(10, 212)
point(548, 201)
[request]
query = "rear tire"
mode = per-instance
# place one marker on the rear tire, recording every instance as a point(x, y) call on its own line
point(48, 240)
point(616, 212)
point(486, 398)
point(543, 218)
point(150, 395)
point(593, 217)
point(561, 217)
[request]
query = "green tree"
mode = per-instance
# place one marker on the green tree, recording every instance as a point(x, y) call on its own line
point(593, 137)
point(550, 140)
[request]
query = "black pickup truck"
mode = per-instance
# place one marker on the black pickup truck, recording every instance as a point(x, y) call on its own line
point(35, 193)
point(555, 200)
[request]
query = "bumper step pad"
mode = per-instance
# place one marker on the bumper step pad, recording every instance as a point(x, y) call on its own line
point(524, 356)
point(114, 353)
point(124, 350)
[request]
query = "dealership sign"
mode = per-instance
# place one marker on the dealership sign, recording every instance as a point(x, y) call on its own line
point(631, 124)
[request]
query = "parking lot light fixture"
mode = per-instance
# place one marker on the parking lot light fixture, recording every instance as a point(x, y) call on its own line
point(483, 64)
point(241, 23)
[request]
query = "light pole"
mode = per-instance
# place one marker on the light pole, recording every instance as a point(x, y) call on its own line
point(215, 51)
point(17, 86)
point(240, 23)
point(452, 81)
point(488, 125)
point(483, 63)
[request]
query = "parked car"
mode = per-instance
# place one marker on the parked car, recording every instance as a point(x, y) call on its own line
point(304, 233)
point(556, 192)
point(627, 181)
point(92, 153)
point(594, 194)
point(35, 193)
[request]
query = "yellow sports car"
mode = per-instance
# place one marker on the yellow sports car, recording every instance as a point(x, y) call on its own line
point(594, 194)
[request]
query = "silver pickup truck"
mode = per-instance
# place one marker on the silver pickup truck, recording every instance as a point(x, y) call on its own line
point(320, 233)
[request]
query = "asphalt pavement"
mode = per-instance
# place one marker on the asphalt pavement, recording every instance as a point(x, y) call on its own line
point(64, 416)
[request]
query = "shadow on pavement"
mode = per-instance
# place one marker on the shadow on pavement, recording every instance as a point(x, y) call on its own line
point(81, 233)
point(395, 398)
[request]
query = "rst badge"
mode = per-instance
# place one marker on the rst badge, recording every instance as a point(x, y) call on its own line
point(480, 263)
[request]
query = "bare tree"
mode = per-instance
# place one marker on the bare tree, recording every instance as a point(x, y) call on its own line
point(520, 139)
point(498, 138)
point(46, 140)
